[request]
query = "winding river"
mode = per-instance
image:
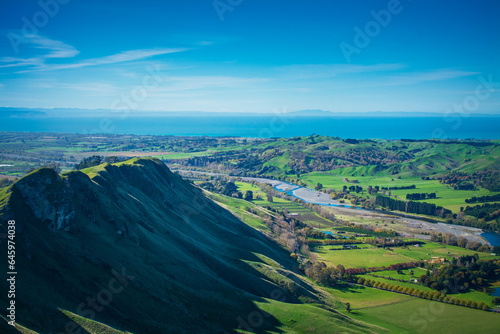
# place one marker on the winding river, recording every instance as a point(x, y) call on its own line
point(319, 198)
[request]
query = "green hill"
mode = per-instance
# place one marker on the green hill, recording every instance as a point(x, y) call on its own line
point(133, 247)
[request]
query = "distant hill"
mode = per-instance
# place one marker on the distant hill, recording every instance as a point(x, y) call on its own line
point(77, 112)
point(21, 113)
point(137, 248)
point(317, 113)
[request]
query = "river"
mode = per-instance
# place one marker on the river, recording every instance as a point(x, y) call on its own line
point(492, 237)
point(320, 198)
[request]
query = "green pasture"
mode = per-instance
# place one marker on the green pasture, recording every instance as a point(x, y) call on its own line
point(423, 316)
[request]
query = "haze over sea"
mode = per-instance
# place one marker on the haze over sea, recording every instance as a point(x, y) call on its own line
point(279, 125)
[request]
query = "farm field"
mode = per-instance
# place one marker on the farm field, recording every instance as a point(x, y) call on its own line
point(377, 257)
point(446, 196)
point(423, 316)
point(358, 258)
point(472, 295)
point(361, 297)
point(305, 215)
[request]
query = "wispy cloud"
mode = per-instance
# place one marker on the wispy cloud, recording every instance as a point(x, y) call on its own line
point(183, 83)
point(436, 75)
point(316, 71)
point(419, 77)
point(130, 55)
point(54, 49)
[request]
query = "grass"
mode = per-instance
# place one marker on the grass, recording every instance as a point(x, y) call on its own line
point(359, 258)
point(364, 297)
point(307, 318)
point(423, 316)
point(476, 296)
point(4, 196)
point(306, 216)
point(403, 284)
point(377, 257)
point(91, 326)
point(446, 197)
point(240, 208)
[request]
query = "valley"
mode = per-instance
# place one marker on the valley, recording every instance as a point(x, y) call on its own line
point(271, 243)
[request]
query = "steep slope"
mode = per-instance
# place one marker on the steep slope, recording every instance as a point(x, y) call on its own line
point(137, 248)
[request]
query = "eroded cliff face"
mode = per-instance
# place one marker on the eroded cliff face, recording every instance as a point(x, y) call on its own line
point(48, 196)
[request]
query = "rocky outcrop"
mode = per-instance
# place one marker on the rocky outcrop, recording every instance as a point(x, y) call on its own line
point(45, 194)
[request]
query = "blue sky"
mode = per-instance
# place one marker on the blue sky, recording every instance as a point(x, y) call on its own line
point(251, 55)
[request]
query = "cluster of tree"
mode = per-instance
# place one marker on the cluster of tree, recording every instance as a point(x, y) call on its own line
point(353, 198)
point(461, 274)
point(323, 274)
point(452, 240)
point(400, 188)
point(397, 267)
point(458, 180)
point(368, 230)
point(248, 195)
point(96, 160)
point(420, 196)
point(356, 189)
point(490, 222)
point(411, 207)
point(487, 211)
point(5, 182)
point(489, 179)
point(315, 234)
point(333, 241)
point(223, 187)
point(429, 295)
point(387, 242)
point(483, 199)
point(351, 141)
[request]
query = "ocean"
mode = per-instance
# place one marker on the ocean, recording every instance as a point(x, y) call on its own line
point(279, 125)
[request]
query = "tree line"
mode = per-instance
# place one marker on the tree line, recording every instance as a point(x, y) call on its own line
point(488, 211)
point(429, 295)
point(461, 274)
point(483, 199)
point(420, 196)
point(411, 207)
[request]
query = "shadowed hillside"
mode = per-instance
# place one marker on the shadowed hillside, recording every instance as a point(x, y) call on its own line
point(138, 248)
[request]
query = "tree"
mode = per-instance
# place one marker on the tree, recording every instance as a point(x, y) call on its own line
point(348, 307)
point(249, 195)
point(269, 197)
point(369, 189)
point(89, 162)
